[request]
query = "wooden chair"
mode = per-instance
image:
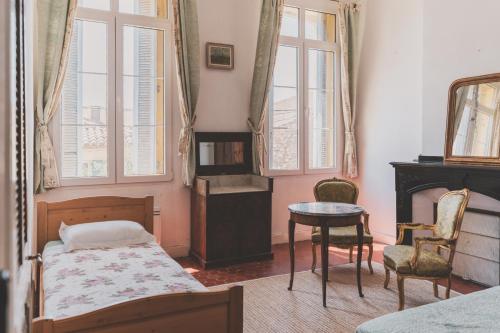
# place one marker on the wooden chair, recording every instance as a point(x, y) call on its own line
point(341, 190)
point(418, 263)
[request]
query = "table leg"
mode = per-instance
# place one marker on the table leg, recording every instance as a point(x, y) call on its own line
point(291, 245)
point(360, 231)
point(324, 259)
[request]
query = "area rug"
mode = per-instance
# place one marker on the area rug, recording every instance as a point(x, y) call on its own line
point(270, 307)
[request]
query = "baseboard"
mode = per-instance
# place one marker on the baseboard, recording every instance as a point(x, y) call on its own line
point(176, 251)
point(306, 235)
point(383, 238)
point(299, 236)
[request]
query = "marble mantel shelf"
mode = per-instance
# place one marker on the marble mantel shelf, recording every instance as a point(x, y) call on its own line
point(412, 177)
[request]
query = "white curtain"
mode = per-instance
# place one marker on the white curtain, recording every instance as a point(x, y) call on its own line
point(350, 25)
point(55, 25)
point(265, 57)
point(187, 45)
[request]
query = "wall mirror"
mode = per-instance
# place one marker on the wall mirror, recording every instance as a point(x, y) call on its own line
point(473, 126)
point(223, 153)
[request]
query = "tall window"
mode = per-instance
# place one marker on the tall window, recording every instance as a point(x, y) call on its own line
point(303, 99)
point(113, 120)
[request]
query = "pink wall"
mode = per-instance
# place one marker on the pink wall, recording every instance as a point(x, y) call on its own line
point(223, 106)
point(389, 119)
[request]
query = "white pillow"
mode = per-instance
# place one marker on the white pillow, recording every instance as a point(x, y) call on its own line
point(98, 235)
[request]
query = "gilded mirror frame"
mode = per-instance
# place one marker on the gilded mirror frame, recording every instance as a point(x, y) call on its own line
point(450, 128)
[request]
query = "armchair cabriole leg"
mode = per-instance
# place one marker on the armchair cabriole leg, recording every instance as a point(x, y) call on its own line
point(435, 286)
point(387, 277)
point(448, 287)
point(370, 255)
point(350, 253)
point(313, 266)
point(401, 290)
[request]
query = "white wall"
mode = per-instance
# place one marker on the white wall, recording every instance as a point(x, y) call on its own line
point(413, 51)
point(390, 89)
point(460, 39)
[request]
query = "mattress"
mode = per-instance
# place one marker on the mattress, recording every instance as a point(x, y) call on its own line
point(478, 312)
point(87, 280)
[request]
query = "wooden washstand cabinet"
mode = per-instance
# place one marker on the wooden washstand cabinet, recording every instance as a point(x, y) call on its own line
point(231, 208)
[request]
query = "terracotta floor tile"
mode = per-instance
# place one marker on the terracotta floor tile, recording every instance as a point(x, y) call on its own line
point(281, 265)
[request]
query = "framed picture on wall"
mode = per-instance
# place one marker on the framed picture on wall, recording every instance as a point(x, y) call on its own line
point(220, 56)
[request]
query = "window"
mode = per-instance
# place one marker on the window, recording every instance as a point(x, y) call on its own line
point(114, 120)
point(303, 99)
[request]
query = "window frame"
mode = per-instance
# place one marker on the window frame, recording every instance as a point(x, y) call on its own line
point(115, 140)
point(303, 45)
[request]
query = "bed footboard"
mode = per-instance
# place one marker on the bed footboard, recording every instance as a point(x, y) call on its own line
point(211, 312)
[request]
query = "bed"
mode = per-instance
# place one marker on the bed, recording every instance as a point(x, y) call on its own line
point(137, 288)
point(476, 312)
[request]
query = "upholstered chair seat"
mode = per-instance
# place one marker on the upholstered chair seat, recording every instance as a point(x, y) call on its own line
point(342, 235)
point(417, 261)
point(344, 191)
point(398, 258)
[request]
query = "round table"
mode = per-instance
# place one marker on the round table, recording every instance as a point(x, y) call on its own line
point(325, 215)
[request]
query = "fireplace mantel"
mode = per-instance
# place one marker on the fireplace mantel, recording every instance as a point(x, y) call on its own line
point(412, 177)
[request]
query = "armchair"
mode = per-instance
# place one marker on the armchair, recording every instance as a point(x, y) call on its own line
point(341, 190)
point(419, 263)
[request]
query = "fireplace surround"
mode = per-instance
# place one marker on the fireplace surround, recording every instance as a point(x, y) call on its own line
point(431, 172)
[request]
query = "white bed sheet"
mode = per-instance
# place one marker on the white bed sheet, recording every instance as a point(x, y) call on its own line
point(86, 280)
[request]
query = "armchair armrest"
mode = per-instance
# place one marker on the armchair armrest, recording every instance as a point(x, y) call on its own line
point(411, 226)
point(419, 241)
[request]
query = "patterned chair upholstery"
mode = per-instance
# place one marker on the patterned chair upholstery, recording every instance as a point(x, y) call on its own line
point(419, 263)
point(340, 190)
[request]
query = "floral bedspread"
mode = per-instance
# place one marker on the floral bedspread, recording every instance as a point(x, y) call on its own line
point(87, 280)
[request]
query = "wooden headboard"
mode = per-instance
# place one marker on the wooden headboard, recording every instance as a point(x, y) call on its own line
point(86, 210)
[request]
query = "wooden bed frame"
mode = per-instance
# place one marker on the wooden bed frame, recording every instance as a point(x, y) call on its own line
point(211, 311)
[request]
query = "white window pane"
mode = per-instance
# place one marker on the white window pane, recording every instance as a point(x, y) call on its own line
point(144, 102)
point(285, 70)
point(84, 151)
point(285, 149)
point(143, 93)
point(321, 109)
point(320, 69)
point(94, 4)
point(144, 150)
point(290, 22)
point(143, 52)
point(320, 26)
point(156, 8)
point(92, 46)
point(284, 129)
point(84, 101)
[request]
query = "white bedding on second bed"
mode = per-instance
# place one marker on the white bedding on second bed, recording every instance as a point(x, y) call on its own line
point(86, 280)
